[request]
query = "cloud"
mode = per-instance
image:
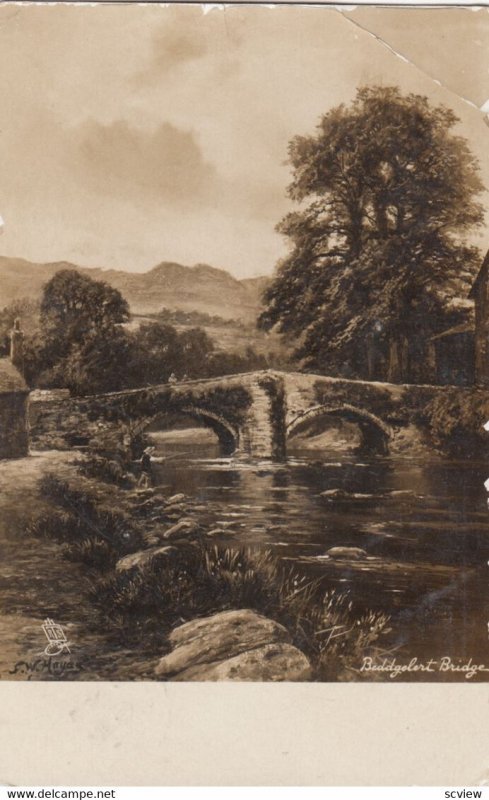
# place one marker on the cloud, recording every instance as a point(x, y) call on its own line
point(140, 133)
point(191, 38)
point(163, 164)
point(180, 41)
point(178, 48)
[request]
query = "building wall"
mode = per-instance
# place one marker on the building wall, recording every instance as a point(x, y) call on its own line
point(482, 333)
point(14, 429)
point(455, 355)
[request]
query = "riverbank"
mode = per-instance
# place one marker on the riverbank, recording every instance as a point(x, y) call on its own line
point(120, 569)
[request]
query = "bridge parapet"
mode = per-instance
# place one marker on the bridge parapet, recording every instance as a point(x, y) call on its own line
point(252, 413)
point(236, 407)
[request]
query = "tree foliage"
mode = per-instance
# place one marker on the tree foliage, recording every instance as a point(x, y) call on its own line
point(77, 339)
point(79, 342)
point(387, 194)
point(75, 307)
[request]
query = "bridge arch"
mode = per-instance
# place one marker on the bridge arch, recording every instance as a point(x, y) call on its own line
point(375, 433)
point(226, 433)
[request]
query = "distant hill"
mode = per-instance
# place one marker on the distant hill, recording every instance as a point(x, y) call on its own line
point(173, 286)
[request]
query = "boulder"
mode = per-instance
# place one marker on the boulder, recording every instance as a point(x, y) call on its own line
point(272, 662)
point(151, 539)
point(349, 498)
point(334, 494)
point(219, 637)
point(175, 498)
point(170, 511)
point(233, 645)
point(217, 532)
point(151, 502)
point(143, 493)
point(182, 530)
point(406, 493)
point(354, 553)
point(143, 558)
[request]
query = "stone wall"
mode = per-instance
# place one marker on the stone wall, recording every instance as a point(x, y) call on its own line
point(482, 333)
point(63, 423)
point(14, 433)
point(60, 424)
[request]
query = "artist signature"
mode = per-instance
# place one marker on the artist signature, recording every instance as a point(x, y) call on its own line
point(55, 668)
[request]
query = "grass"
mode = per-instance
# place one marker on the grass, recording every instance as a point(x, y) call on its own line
point(90, 532)
point(104, 469)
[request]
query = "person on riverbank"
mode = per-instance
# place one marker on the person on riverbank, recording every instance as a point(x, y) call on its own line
point(146, 476)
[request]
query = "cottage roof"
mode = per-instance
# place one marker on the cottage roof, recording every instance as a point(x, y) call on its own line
point(10, 378)
point(482, 275)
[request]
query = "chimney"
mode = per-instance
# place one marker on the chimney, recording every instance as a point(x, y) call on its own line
point(17, 346)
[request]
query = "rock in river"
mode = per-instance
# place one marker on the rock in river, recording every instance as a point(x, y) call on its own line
point(218, 532)
point(175, 498)
point(352, 499)
point(182, 530)
point(355, 553)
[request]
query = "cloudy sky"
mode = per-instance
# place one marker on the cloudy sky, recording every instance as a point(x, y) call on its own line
point(135, 134)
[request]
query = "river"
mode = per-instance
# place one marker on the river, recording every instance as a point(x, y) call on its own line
point(424, 525)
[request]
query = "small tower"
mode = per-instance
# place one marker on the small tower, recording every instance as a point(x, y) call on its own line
point(17, 346)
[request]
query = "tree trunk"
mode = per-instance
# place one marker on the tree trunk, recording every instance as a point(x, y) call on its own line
point(431, 373)
point(398, 368)
point(393, 369)
point(371, 360)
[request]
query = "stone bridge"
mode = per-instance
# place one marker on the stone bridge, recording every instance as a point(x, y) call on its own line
point(253, 414)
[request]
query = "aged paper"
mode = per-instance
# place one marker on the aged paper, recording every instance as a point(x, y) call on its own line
point(243, 386)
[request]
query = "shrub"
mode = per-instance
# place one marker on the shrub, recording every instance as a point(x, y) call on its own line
point(343, 638)
point(93, 552)
point(455, 422)
point(104, 469)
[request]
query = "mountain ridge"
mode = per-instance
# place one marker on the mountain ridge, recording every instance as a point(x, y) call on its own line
point(168, 284)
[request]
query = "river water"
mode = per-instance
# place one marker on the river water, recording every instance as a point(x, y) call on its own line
point(424, 525)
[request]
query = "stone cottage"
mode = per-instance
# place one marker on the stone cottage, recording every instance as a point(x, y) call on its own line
point(462, 352)
point(480, 295)
point(14, 397)
point(455, 355)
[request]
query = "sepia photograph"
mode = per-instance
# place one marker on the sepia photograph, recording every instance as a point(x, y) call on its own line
point(244, 343)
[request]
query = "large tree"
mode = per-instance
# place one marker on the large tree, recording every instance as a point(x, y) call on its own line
point(104, 362)
point(80, 335)
point(387, 195)
point(74, 307)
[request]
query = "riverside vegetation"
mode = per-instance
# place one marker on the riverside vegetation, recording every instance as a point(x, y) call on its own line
point(151, 565)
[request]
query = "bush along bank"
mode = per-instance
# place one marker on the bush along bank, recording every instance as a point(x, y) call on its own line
point(152, 566)
point(455, 421)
